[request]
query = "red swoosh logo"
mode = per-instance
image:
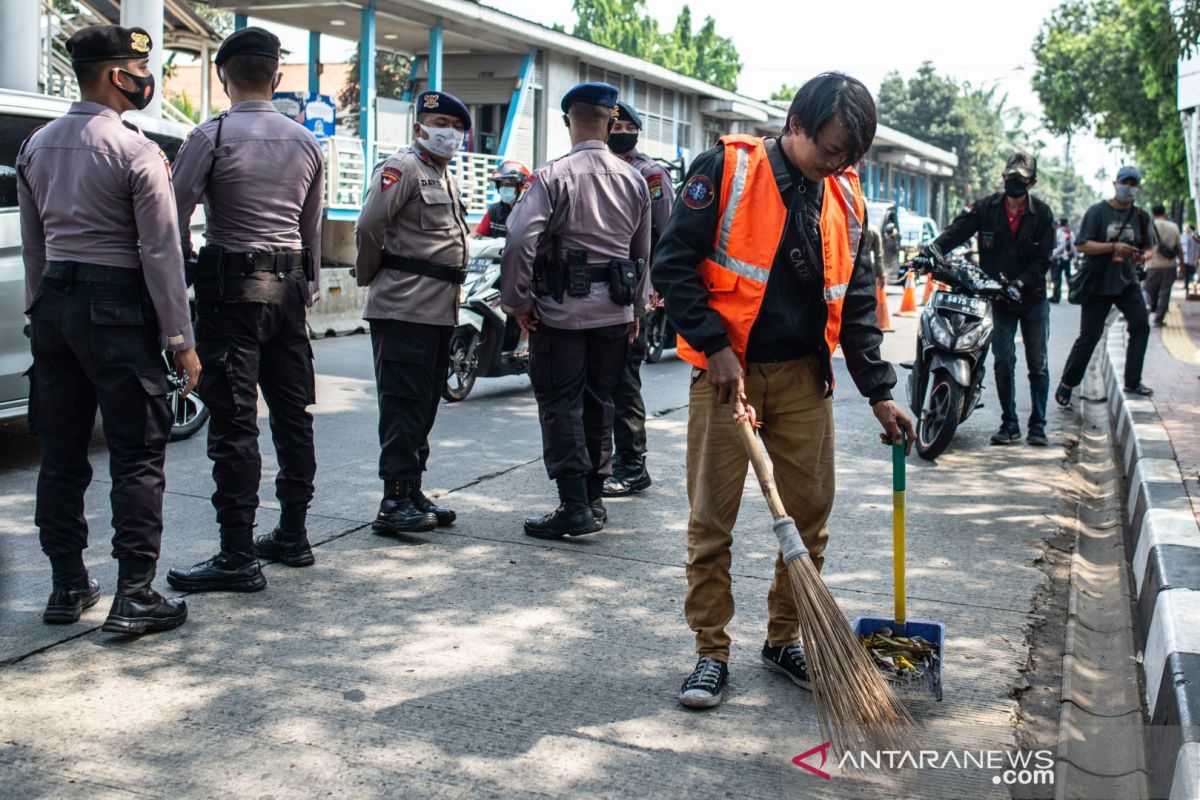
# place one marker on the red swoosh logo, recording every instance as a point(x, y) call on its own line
point(822, 749)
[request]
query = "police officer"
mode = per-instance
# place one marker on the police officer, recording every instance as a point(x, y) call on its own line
point(412, 254)
point(262, 179)
point(629, 428)
point(105, 291)
point(509, 180)
point(579, 289)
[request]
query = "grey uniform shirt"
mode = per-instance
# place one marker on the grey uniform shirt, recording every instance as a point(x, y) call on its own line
point(594, 201)
point(413, 209)
point(263, 187)
point(94, 189)
point(658, 183)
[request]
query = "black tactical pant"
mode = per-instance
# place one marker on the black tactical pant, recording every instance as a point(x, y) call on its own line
point(573, 374)
point(411, 360)
point(629, 422)
point(96, 345)
point(244, 345)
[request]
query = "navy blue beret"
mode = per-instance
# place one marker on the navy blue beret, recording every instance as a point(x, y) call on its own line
point(593, 94)
point(442, 103)
point(251, 41)
point(108, 43)
point(628, 113)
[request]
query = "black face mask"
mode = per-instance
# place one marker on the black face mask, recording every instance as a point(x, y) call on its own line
point(622, 143)
point(1015, 188)
point(139, 96)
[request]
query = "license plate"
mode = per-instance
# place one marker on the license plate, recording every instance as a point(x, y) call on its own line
point(976, 306)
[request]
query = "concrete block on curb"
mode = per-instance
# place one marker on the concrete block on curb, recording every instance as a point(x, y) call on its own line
point(1175, 628)
point(1186, 783)
point(1148, 440)
point(1160, 527)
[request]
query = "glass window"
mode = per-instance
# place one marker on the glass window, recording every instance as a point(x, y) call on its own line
point(13, 131)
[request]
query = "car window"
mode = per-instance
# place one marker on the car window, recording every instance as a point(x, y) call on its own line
point(14, 130)
point(169, 144)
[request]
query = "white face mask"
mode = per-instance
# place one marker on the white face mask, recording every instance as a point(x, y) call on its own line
point(442, 142)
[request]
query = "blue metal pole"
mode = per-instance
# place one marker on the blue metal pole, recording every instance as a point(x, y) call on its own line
point(435, 56)
point(239, 21)
point(314, 62)
point(366, 80)
point(518, 100)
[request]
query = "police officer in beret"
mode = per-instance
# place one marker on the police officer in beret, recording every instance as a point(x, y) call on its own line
point(104, 285)
point(578, 288)
point(412, 256)
point(261, 176)
point(629, 426)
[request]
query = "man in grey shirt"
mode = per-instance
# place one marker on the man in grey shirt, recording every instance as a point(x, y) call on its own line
point(261, 176)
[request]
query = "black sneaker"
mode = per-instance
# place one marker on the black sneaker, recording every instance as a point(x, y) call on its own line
point(1006, 435)
point(788, 660)
point(65, 606)
point(705, 687)
point(1037, 437)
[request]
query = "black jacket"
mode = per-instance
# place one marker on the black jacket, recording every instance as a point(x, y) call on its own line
point(688, 240)
point(1024, 257)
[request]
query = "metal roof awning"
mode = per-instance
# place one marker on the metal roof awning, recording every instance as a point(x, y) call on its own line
point(183, 28)
point(734, 110)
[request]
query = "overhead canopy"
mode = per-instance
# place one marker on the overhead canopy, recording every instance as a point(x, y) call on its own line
point(183, 28)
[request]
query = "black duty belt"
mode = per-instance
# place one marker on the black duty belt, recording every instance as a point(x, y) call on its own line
point(599, 274)
point(81, 272)
point(426, 268)
point(278, 262)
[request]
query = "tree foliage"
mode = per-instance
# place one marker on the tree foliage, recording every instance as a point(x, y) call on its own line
point(1111, 66)
point(626, 25)
point(786, 93)
point(391, 78)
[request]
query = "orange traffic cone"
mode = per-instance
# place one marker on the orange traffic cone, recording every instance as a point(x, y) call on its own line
point(881, 309)
point(908, 303)
point(928, 290)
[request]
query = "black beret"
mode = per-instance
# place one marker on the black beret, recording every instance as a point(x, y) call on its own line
point(592, 94)
point(251, 41)
point(628, 113)
point(108, 43)
point(441, 103)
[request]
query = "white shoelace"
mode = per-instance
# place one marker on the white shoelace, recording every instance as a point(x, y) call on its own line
point(707, 674)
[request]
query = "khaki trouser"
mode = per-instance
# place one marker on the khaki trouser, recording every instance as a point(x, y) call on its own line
point(797, 417)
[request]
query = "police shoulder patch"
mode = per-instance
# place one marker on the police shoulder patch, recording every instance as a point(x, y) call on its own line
point(698, 192)
point(655, 183)
point(388, 178)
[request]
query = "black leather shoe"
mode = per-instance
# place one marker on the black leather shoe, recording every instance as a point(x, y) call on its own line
point(631, 478)
point(444, 516)
point(595, 494)
point(398, 513)
point(1141, 389)
point(574, 517)
point(1006, 435)
point(224, 572)
point(145, 611)
point(287, 547)
point(66, 605)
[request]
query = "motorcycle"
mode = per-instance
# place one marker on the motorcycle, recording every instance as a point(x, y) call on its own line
point(486, 342)
point(660, 335)
point(946, 378)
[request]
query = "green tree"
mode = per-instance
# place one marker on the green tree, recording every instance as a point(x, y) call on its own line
point(391, 78)
point(786, 93)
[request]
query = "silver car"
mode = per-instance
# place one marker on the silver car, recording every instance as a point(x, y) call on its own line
point(20, 114)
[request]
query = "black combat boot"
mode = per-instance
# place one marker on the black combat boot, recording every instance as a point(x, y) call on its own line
point(629, 477)
point(595, 491)
point(398, 513)
point(137, 608)
point(444, 515)
point(234, 569)
point(573, 517)
point(73, 590)
point(290, 548)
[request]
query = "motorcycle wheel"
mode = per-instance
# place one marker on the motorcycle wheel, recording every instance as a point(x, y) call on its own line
point(940, 416)
point(461, 374)
point(188, 414)
point(656, 337)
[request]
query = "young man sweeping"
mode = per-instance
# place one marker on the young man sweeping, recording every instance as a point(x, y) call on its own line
point(758, 268)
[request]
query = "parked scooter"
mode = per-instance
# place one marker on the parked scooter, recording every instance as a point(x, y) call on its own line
point(485, 342)
point(955, 334)
point(660, 334)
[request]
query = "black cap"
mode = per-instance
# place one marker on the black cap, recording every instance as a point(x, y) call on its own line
point(627, 113)
point(593, 94)
point(251, 41)
point(442, 103)
point(108, 43)
point(1022, 165)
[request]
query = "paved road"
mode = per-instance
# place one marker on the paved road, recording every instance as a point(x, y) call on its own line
point(478, 661)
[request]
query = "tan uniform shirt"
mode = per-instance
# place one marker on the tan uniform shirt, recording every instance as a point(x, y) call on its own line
point(662, 195)
point(413, 208)
point(95, 190)
point(594, 201)
point(263, 188)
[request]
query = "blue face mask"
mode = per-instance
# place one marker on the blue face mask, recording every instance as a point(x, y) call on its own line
point(508, 194)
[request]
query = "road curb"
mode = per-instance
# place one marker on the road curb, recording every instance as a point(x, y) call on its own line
point(1166, 568)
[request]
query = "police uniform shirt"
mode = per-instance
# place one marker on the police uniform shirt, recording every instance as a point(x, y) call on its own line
point(661, 195)
point(93, 189)
point(593, 201)
point(263, 187)
point(413, 209)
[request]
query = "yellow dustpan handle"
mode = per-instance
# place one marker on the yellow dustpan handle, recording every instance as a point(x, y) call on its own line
point(898, 487)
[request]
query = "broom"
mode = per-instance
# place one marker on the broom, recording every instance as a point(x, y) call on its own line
point(856, 707)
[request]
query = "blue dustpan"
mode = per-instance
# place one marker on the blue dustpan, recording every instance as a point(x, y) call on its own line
point(929, 684)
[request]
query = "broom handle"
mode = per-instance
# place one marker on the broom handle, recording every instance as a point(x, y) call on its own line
point(898, 489)
point(763, 472)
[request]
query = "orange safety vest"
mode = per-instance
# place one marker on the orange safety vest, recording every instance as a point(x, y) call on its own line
point(752, 220)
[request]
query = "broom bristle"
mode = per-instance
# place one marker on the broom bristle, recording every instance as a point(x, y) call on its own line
point(856, 707)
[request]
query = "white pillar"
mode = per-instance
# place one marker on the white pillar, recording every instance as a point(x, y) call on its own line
point(148, 14)
point(205, 81)
point(20, 37)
